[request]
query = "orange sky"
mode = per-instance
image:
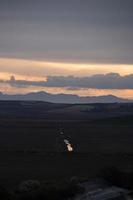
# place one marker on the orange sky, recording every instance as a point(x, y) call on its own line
point(126, 93)
point(38, 70)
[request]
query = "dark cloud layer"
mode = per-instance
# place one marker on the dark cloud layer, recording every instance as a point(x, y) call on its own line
point(99, 81)
point(89, 30)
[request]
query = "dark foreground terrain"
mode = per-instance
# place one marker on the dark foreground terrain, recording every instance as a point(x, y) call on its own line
point(31, 145)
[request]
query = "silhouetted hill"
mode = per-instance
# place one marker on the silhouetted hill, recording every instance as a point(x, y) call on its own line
point(62, 98)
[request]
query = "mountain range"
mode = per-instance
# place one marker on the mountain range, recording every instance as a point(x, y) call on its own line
point(62, 98)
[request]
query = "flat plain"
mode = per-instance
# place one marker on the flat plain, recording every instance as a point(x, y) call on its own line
point(33, 148)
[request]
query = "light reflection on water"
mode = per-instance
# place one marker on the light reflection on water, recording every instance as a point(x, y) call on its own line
point(68, 144)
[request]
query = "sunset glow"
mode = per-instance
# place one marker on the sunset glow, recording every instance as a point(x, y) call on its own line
point(52, 40)
point(39, 69)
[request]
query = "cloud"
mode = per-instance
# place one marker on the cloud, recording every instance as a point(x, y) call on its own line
point(72, 30)
point(98, 81)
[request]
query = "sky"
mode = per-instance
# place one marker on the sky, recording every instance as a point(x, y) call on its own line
point(60, 39)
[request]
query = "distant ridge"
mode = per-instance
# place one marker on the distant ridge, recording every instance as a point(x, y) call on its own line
point(63, 98)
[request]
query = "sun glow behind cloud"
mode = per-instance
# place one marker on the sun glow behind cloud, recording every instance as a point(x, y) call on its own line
point(40, 69)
